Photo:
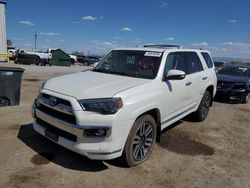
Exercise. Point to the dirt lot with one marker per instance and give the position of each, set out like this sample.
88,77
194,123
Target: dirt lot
214,153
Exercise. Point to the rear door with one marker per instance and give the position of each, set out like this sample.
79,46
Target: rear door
197,77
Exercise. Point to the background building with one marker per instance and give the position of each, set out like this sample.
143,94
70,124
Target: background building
3,39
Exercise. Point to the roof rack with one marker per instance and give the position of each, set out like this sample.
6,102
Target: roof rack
167,46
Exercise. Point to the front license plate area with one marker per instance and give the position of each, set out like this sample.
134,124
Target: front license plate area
51,135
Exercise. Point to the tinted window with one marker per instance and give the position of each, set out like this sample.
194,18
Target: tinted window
175,61
207,59
193,62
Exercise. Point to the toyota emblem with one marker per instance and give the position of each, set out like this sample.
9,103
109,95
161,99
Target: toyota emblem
52,101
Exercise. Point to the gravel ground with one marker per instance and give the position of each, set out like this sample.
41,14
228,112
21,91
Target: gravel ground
214,153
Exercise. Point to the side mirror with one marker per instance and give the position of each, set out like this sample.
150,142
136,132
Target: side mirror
175,75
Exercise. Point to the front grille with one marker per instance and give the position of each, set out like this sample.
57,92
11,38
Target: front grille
61,110
57,131
225,85
59,115
230,85
60,101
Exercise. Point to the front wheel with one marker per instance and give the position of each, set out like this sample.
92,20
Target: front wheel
203,109
140,141
246,98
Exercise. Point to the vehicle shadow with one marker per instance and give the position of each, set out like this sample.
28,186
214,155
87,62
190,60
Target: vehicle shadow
47,151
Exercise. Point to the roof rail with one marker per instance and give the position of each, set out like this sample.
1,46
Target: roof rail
167,46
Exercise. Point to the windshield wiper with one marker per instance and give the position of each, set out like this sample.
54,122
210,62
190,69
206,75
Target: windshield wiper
122,73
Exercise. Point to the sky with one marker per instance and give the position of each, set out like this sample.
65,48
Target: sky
97,26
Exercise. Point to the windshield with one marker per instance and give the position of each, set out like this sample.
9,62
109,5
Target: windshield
141,64
234,71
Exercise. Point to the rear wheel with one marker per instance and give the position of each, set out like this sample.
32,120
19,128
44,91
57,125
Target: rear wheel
203,108
140,142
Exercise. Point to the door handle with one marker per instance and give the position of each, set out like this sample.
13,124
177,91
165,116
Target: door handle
204,78
188,83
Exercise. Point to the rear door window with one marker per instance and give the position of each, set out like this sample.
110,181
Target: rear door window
193,62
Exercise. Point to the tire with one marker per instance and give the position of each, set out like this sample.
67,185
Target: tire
203,109
246,98
16,61
140,141
72,61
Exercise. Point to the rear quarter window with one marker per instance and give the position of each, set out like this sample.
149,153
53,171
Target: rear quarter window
207,59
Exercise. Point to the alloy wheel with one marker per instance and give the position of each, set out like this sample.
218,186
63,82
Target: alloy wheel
142,141
205,105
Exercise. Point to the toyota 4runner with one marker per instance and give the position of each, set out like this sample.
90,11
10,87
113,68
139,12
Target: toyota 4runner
119,108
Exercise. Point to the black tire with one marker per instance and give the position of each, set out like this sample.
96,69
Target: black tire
203,109
16,61
140,141
72,61
246,98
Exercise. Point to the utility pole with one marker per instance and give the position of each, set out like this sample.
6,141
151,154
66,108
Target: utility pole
35,39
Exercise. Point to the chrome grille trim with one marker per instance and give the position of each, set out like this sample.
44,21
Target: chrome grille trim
58,107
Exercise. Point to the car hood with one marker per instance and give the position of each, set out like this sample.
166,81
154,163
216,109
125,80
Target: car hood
89,84
228,78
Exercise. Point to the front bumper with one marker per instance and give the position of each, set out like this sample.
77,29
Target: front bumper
233,94
89,150
71,136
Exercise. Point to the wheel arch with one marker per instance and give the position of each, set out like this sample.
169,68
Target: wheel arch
156,114
210,89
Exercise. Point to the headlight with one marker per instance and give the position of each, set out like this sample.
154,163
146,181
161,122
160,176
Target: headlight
103,106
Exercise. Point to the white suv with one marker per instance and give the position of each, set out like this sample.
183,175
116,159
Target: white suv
119,108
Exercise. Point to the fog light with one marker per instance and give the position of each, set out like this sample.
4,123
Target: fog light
96,132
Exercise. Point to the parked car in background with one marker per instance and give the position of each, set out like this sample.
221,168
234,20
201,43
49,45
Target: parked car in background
73,59
90,60
13,52
219,64
234,83
32,57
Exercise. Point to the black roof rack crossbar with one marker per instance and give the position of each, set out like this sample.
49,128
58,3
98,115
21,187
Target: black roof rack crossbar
161,46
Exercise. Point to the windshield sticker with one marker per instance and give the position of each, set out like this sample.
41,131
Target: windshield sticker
153,54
